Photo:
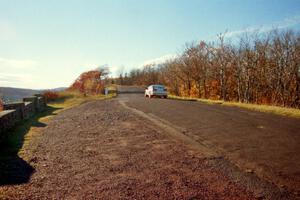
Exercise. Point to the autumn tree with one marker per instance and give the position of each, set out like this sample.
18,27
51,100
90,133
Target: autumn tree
259,68
91,82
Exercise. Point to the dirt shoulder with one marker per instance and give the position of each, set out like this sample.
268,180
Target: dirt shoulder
101,150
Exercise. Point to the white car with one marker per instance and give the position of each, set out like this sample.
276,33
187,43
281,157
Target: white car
157,91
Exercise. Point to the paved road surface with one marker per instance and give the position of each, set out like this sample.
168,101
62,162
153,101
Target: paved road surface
130,89
266,144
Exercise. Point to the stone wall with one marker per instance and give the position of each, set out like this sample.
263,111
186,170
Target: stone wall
29,110
18,107
18,111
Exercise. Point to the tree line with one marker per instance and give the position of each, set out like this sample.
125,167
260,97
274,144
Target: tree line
256,68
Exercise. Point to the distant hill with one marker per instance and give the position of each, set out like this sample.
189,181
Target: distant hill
59,89
9,94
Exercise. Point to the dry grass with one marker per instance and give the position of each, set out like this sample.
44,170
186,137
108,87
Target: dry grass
70,99
112,87
182,98
291,112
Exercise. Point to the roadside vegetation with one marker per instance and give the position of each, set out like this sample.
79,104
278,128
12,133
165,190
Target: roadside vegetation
258,68
88,86
290,112
68,99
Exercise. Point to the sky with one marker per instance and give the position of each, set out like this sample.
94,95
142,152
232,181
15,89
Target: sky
47,44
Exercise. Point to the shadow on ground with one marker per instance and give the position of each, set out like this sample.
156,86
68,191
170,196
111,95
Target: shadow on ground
13,169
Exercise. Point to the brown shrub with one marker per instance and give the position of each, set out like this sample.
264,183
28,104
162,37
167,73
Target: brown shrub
51,96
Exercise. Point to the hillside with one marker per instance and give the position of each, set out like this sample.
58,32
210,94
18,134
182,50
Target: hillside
8,94
13,94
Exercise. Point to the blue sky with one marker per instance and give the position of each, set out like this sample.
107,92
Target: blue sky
47,44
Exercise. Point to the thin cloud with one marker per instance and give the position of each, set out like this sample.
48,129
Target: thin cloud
16,64
16,72
159,60
8,79
287,22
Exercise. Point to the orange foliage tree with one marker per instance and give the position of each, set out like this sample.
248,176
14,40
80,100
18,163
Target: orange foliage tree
90,82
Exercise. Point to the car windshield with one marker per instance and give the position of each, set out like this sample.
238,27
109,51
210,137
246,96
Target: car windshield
160,87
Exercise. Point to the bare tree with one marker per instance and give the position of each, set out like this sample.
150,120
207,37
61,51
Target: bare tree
261,69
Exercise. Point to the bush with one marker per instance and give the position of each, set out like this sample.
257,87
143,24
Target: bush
51,96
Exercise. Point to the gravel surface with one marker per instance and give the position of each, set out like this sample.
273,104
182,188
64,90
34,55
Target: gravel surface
101,150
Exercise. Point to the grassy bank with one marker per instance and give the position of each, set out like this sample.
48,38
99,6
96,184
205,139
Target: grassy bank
70,99
291,112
